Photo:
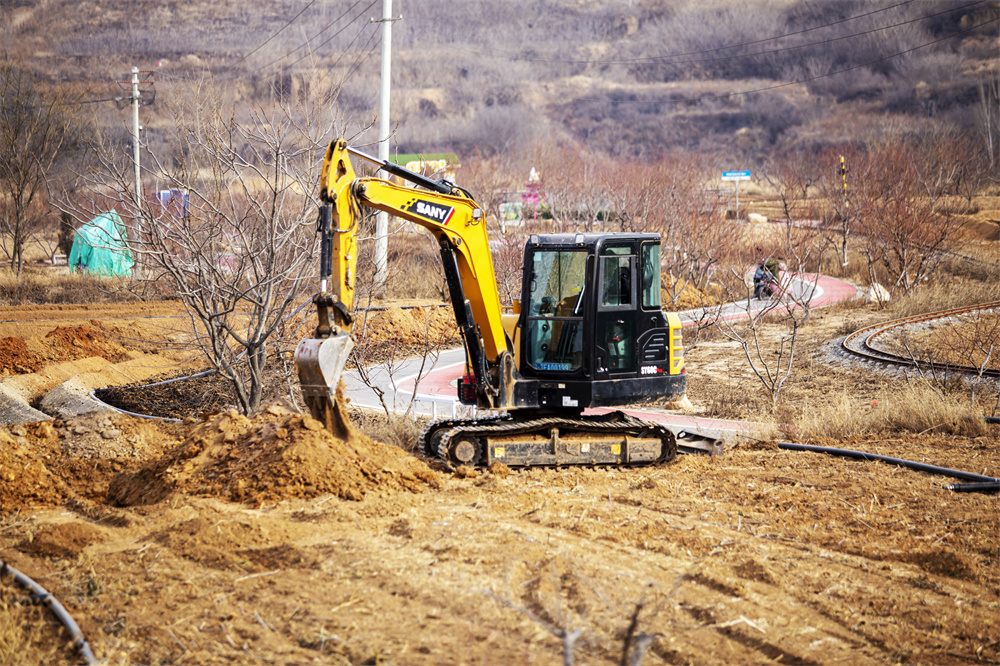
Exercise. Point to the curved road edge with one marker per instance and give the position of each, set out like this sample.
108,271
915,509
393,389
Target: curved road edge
435,390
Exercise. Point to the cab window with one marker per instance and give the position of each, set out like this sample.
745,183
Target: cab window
555,310
650,260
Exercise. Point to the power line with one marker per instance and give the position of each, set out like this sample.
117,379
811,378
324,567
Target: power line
282,57
790,83
516,58
356,66
262,44
324,42
821,42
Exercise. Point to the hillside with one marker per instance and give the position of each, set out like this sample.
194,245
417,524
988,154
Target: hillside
627,78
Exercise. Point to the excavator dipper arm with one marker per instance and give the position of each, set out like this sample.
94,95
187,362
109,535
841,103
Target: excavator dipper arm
458,224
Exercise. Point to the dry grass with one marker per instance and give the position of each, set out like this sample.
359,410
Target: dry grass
28,633
911,408
397,430
945,292
44,286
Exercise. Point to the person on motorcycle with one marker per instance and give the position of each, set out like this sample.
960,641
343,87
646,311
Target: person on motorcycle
763,280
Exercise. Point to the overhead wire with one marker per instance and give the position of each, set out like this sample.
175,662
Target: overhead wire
619,61
356,66
324,42
265,42
787,83
808,44
295,62
354,20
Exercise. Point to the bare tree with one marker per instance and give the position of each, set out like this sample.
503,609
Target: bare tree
236,241
905,232
38,130
492,181
975,342
771,357
989,116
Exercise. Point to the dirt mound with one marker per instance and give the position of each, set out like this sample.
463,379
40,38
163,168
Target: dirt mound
275,456
62,540
414,326
46,463
24,355
74,342
25,479
15,359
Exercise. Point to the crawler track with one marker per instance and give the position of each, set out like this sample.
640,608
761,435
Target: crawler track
861,342
613,438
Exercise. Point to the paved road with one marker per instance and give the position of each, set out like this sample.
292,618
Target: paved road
433,384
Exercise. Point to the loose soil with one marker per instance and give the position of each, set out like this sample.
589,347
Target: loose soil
182,398
229,539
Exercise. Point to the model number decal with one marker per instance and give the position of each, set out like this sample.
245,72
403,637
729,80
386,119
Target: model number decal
429,210
650,370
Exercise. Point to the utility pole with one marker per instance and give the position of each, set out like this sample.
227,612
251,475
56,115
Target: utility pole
135,133
136,98
382,219
845,221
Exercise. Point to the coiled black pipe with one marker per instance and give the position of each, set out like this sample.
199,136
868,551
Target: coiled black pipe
899,462
993,419
57,608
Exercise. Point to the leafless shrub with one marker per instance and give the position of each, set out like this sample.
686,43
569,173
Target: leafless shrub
395,429
770,358
40,130
905,233
240,254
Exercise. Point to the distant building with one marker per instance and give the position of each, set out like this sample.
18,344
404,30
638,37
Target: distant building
432,165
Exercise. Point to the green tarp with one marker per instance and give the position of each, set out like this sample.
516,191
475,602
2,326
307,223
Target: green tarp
101,247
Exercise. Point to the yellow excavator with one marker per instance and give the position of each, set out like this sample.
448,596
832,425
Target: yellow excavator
587,332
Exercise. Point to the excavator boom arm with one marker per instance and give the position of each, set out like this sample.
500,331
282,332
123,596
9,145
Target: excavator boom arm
454,219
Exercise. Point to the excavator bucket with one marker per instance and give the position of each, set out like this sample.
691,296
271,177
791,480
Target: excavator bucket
320,363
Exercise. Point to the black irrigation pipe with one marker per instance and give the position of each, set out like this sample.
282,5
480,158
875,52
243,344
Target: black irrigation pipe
975,487
988,482
41,594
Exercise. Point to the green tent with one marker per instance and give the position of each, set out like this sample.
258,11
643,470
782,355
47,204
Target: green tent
101,247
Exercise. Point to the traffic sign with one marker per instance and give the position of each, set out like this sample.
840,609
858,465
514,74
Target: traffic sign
735,175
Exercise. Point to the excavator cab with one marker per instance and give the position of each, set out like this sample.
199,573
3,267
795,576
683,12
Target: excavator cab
591,332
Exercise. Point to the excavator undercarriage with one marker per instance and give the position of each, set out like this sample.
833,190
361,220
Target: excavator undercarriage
610,439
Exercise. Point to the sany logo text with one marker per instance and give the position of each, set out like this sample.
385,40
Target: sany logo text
431,211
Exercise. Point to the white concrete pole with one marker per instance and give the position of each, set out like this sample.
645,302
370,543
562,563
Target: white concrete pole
135,133
382,220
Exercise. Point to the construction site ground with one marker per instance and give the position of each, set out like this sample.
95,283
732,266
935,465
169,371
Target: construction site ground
228,539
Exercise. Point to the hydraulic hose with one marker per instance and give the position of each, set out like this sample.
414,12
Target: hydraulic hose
41,594
976,479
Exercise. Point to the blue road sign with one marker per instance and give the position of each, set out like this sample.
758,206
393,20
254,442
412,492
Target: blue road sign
735,175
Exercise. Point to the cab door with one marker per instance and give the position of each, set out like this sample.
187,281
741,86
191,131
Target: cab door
616,322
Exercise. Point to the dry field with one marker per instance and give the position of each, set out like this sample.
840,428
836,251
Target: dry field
264,540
